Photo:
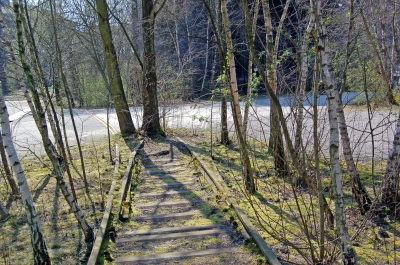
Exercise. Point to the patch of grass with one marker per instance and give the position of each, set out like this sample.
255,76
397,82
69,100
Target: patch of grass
282,212
61,231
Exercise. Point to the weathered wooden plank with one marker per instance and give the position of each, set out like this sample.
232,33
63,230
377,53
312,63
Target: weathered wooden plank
171,235
168,185
168,203
172,229
126,181
164,194
103,226
160,160
168,176
173,255
177,164
163,171
166,216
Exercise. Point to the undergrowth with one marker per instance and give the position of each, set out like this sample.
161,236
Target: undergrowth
64,239
282,210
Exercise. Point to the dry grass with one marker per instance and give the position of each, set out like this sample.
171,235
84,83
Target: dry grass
279,210
64,239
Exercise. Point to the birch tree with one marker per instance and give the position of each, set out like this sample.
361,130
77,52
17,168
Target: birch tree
57,159
7,171
39,249
332,93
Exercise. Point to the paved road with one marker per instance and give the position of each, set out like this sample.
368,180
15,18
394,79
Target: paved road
91,124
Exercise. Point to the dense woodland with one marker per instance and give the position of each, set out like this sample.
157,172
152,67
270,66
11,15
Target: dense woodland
151,53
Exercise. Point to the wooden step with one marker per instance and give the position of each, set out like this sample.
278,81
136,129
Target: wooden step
166,216
168,185
171,235
178,164
160,160
150,177
164,194
161,172
168,203
173,255
172,229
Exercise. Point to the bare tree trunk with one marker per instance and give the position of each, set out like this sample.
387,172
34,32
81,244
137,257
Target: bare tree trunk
276,145
206,57
7,170
237,117
177,47
302,88
390,194
4,215
375,52
76,86
359,192
321,205
39,249
57,160
121,106
67,93
44,91
250,74
151,118
282,120
346,248
214,13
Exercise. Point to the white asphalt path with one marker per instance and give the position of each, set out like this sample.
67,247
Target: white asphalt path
92,123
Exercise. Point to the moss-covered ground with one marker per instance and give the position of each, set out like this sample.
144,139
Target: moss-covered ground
287,215
64,239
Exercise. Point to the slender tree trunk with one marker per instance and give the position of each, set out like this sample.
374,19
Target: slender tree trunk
76,86
4,215
121,106
375,52
177,47
17,69
299,168
346,248
250,73
206,57
360,194
237,117
67,93
302,88
57,160
321,240
26,26
7,170
39,249
151,119
390,194
276,145
214,12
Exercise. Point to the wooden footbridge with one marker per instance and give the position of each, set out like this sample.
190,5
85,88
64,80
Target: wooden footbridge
180,213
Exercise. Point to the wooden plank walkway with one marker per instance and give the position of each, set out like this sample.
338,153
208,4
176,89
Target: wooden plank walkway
174,221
